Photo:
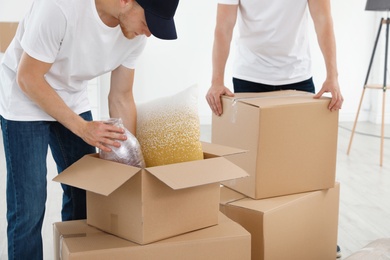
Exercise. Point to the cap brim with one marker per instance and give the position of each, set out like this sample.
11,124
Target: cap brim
161,28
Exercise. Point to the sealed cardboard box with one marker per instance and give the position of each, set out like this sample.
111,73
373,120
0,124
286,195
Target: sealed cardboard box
291,140
299,226
147,205
227,240
68,229
7,33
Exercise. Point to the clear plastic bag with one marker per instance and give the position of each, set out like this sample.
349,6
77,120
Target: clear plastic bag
130,150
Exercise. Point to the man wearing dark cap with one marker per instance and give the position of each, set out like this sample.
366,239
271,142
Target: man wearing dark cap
44,73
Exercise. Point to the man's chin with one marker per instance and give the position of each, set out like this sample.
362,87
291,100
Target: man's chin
130,36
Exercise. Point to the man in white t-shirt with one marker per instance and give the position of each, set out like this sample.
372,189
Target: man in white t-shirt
272,49
58,47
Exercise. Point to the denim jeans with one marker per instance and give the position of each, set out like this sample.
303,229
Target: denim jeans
247,86
26,145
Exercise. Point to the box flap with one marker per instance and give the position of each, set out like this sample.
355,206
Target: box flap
271,98
196,173
228,196
276,93
290,101
220,150
268,205
97,175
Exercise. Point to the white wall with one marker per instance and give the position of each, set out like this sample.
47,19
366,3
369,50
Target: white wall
167,67
355,31
12,11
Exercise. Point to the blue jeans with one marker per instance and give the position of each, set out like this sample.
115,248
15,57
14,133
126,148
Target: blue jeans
247,86
26,145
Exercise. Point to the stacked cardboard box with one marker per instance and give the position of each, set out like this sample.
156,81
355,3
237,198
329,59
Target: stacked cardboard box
78,240
152,204
300,226
291,140
290,201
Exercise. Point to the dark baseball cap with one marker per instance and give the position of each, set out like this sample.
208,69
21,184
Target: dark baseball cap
159,17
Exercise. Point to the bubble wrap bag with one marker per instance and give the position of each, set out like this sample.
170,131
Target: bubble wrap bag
130,150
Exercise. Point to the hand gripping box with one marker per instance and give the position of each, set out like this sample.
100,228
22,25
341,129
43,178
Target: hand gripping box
300,226
150,204
291,139
227,240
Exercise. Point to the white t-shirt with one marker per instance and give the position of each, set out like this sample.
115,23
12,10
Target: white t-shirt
70,35
272,45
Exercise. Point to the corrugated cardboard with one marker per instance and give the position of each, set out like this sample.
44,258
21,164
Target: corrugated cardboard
291,140
147,205
300,226
227,240
69,229
7,33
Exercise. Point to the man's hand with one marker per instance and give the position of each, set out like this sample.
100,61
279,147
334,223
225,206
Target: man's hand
101,135
337,99
213,97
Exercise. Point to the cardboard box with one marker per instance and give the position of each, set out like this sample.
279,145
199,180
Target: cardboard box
7,33
377,249
147,205
227,240
291,140
299,226
69,229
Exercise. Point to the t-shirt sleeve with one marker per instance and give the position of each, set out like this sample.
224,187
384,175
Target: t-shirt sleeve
228,2
45,28
132,58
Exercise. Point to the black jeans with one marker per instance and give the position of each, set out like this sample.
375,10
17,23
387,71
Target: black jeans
248,86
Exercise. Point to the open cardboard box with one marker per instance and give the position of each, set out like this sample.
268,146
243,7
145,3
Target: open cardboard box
300,226
291,139
7,33
146,205
227,240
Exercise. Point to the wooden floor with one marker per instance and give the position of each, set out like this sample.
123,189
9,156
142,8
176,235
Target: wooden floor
365,187
364,199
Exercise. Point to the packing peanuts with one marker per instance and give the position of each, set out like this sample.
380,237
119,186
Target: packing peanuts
291,139
154,203
77,240
299,226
